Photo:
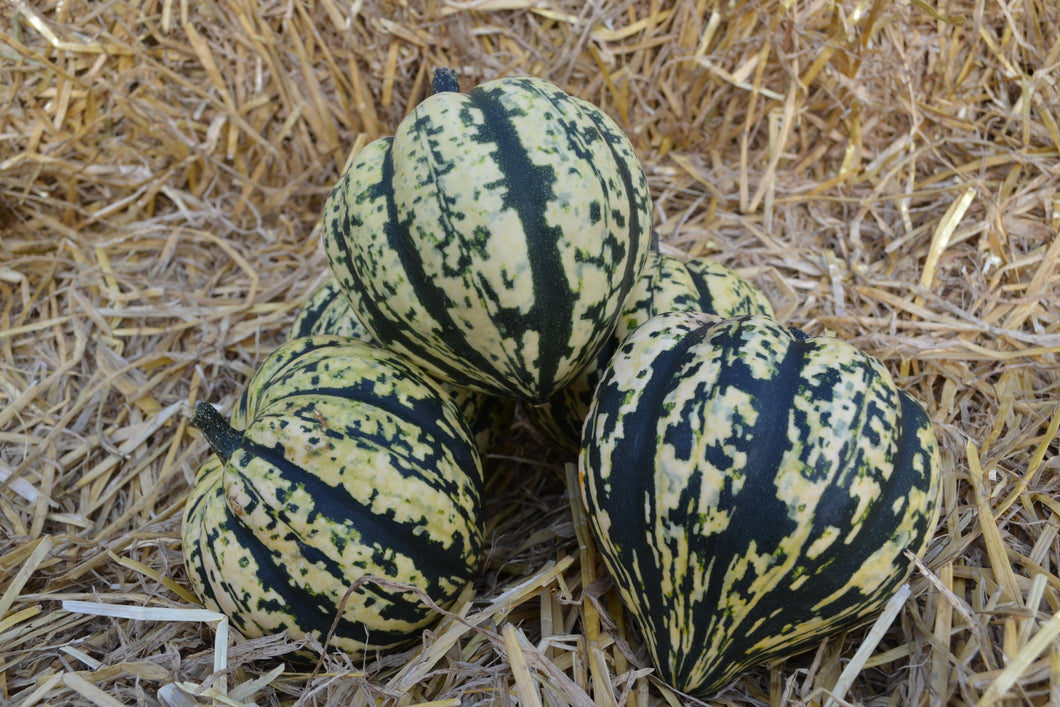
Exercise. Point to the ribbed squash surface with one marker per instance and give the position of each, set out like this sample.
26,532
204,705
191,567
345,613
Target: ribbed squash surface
666,284
346,462
327,311
751,490
671,284
494,237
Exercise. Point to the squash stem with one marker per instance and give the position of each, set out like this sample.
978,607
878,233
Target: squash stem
222,437
445,81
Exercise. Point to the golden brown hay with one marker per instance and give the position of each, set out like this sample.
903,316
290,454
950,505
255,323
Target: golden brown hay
886,171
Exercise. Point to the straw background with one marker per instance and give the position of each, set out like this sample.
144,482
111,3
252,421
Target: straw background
886,171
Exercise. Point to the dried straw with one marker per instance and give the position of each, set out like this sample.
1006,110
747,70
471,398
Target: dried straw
884,171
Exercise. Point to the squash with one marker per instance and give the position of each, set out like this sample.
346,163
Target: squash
327,311
671,284
666,284
494,237
342,462
752,490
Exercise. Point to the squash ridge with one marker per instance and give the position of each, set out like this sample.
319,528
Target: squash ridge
335,503
528,190
635,258
434,300
421,413
763,521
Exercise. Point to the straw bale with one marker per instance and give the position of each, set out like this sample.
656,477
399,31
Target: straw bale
887,171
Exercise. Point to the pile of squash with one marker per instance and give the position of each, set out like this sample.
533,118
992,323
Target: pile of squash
751,489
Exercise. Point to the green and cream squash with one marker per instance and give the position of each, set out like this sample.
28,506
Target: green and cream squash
672,284
666,284
752,490
342,462
494,237
327,311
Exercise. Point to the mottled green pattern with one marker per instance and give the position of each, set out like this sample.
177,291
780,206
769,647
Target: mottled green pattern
671,284
327,311
352,463
666,284
751,490
494,237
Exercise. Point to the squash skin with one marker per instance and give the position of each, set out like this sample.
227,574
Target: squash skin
346,462
327,311
494,237
670,284
666,284
752,490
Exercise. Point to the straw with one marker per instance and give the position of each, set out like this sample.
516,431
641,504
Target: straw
886,172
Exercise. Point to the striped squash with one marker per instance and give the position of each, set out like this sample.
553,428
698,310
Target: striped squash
327,311
752,490
342,461
672,284
666,284
494,237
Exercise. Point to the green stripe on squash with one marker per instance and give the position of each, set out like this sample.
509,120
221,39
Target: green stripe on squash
341,461
752,490
327,311
666,284
494,237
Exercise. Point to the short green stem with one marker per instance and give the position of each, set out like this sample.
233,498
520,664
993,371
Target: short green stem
445,81
223,439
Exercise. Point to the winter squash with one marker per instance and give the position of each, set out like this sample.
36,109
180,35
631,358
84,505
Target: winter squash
342,462
666,284
701,284
752,490
327,311
494,237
